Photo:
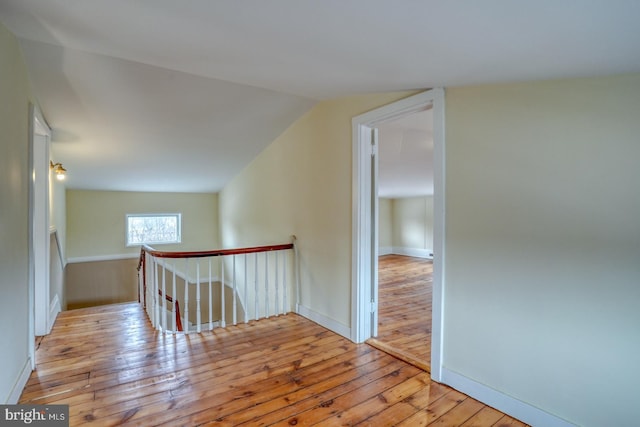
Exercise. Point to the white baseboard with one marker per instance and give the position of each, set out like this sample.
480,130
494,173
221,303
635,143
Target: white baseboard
500,401
413,252
325,321
385,250
54,309
16,391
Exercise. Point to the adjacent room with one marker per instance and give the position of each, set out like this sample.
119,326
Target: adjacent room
405,237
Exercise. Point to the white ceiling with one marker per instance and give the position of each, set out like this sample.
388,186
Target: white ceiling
165,95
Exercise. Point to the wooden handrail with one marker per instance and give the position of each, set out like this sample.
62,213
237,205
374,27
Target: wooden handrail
141,264
212,253
141,259
202,254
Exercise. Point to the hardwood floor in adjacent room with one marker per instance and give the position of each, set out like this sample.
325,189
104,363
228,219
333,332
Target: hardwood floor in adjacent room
404,308
112,368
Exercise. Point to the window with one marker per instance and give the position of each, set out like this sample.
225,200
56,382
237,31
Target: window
153,228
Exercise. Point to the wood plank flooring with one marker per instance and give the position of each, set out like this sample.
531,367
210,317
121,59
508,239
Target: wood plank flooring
404,308
112,368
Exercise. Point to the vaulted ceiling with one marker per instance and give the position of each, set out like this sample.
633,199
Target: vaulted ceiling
164,95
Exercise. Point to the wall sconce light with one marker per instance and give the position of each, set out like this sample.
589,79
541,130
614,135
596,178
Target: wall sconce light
58,169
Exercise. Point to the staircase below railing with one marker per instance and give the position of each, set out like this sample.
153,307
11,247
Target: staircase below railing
216,287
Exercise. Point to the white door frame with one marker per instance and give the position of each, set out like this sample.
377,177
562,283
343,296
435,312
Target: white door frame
39,242
364,279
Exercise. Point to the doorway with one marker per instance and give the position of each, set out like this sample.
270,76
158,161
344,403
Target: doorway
405,237
365,216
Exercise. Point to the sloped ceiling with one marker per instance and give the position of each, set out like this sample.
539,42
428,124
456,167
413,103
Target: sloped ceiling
164,95
405,160
124,125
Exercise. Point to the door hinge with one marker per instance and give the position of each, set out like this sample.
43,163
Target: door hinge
373,307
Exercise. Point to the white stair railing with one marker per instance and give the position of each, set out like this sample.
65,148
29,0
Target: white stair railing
192,291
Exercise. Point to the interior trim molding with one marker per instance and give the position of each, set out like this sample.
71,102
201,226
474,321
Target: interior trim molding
413,252
97,258
502,402
20,384
324,321
364,219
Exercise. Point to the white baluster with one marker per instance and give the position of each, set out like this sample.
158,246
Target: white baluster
174,289
277,299
266,284
246,295
198,314
210,298
145,283
164,297
223,321
285,307
185,325
150,287
256,316
235,293
156,306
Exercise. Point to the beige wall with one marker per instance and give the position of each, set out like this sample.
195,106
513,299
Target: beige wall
103,282
15,96
542,279
301,184
96,220
385,224
413,223
96,229
405,226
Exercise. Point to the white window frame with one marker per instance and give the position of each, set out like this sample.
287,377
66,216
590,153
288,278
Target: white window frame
178,217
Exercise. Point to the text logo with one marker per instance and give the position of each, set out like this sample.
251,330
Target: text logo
34,415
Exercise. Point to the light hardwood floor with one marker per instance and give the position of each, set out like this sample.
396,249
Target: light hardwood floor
112,368
404,308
